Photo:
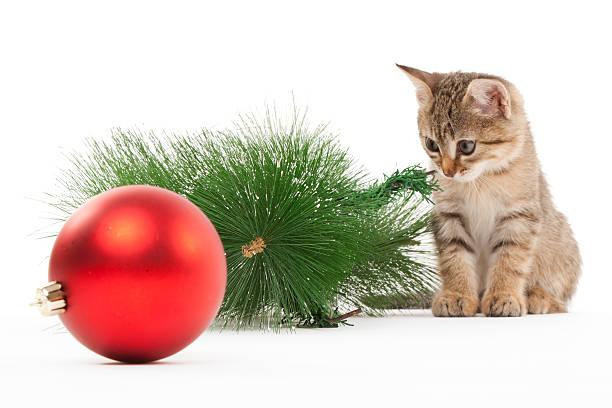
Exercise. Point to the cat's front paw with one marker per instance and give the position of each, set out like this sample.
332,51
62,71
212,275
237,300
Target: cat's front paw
502,304
453,304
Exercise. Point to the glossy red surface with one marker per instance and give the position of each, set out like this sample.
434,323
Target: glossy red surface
143,271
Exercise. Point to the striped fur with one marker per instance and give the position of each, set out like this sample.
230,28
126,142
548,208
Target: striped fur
502,246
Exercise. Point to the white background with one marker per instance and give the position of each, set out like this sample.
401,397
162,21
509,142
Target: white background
71,70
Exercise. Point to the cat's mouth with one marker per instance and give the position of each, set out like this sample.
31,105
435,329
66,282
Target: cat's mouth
462,176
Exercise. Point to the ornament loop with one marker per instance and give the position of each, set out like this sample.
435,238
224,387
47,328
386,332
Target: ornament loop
50,299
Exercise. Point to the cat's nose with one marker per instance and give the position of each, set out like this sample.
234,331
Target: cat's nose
448,167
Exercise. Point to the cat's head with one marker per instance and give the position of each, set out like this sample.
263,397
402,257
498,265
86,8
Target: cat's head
470,124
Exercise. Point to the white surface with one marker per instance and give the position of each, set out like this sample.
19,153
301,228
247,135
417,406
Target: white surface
409,359
71,70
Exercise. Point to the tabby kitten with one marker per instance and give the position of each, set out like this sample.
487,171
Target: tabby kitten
503,247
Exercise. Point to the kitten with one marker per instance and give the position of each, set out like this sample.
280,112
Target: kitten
503,247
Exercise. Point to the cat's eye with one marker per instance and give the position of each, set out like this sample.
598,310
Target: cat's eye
467,146
431,145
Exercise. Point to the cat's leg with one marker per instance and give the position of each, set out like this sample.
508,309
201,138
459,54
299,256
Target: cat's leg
458,296
556,268
512,250
540,301
504,295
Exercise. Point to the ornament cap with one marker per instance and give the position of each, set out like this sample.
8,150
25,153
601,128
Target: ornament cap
50,299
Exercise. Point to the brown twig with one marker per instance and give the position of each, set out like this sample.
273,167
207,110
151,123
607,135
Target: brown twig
255,247
343,317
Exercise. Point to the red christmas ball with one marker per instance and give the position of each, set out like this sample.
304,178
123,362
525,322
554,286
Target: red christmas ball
143,273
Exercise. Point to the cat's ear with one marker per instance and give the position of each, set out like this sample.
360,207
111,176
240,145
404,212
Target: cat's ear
488,97
423,82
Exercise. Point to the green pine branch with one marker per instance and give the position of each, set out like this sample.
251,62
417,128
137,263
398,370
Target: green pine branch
334,241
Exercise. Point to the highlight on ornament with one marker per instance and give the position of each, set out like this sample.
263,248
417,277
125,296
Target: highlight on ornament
306,236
